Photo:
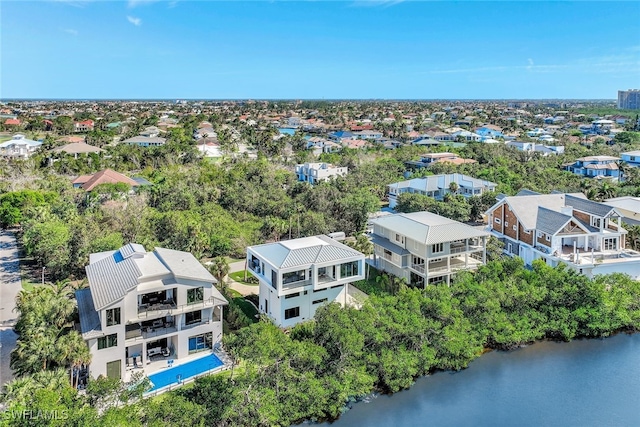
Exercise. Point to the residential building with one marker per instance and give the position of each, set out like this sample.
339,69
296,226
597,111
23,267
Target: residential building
145,141
564,228
76,148
632,158
298,276
489,132
318,172
106,176
596,167
628,207
437,186
368,134
425,248
142,307
84,126
19,147
429,159
465,135
532,147
601,126
629,99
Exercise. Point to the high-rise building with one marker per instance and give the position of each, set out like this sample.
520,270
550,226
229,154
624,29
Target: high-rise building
629,99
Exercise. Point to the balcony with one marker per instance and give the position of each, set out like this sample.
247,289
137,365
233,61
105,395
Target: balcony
418,267
139,333
170,309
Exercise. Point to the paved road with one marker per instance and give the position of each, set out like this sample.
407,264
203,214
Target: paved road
10,285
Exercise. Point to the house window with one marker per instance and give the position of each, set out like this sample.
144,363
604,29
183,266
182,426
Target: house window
515,227
320,301
297,294
108,341
193,317
595,222
497,220
399,238
547,238
610,243
506,223
539,234
437,248
290,313
527,231
113,316
349,269
195,295
293,276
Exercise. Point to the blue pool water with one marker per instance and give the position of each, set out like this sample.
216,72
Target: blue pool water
170,375
287,131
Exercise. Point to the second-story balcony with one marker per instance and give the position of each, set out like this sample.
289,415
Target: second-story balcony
170,308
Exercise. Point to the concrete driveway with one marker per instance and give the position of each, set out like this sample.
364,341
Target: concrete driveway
10,285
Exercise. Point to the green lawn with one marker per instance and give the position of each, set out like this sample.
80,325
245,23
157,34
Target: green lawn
247,308
238,276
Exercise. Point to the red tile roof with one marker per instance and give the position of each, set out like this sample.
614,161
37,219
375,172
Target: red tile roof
107,176
12,122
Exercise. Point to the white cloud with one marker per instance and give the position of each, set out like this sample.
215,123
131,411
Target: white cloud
135,21
71,31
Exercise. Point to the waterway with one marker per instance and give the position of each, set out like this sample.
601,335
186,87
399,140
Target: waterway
581,383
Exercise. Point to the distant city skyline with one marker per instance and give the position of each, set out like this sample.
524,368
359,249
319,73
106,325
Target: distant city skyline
145,49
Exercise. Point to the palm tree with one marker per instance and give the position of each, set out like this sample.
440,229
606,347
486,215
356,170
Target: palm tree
219,267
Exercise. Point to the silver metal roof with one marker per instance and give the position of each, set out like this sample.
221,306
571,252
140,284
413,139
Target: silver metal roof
428,227
304,252
89,318
437,182
111,278
184,264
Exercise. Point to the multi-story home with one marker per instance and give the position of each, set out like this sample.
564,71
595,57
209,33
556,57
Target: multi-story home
426,248
317,172
84,126
142,306
631,158
297,276
437,186
564,228
596,167
19,147
489,132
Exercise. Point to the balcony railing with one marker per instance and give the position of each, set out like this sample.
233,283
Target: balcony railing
171,309
149,332
418,267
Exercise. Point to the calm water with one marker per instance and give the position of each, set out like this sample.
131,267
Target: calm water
287,131
582,383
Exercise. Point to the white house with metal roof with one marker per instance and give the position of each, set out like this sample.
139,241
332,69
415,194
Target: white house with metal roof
19,147
563,228
426,248
297,276
142,307
437,186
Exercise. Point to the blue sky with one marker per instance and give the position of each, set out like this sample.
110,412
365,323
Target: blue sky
318,49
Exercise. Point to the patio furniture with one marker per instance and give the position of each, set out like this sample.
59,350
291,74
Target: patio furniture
166,352
137,361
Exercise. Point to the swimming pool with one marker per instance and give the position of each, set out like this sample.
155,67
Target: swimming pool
183,372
